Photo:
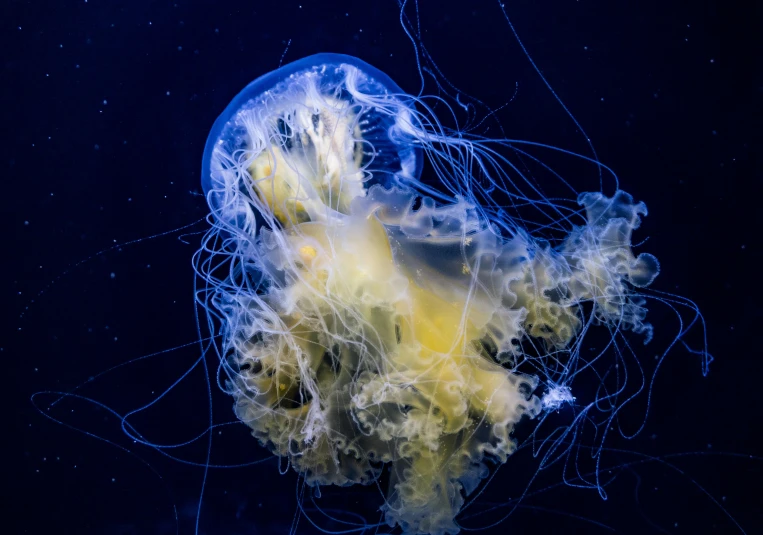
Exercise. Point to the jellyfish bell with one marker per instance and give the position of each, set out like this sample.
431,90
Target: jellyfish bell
327,110
371,320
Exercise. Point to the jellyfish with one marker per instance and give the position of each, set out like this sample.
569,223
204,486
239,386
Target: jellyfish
390,293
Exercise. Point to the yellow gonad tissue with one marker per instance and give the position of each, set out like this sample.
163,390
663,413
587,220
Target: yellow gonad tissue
370,319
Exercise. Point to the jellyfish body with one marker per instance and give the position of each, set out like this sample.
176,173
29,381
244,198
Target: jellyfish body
372,320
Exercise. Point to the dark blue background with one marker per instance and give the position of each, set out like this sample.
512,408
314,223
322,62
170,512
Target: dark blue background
106,107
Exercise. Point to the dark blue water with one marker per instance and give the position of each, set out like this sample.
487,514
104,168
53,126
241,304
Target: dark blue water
106,109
